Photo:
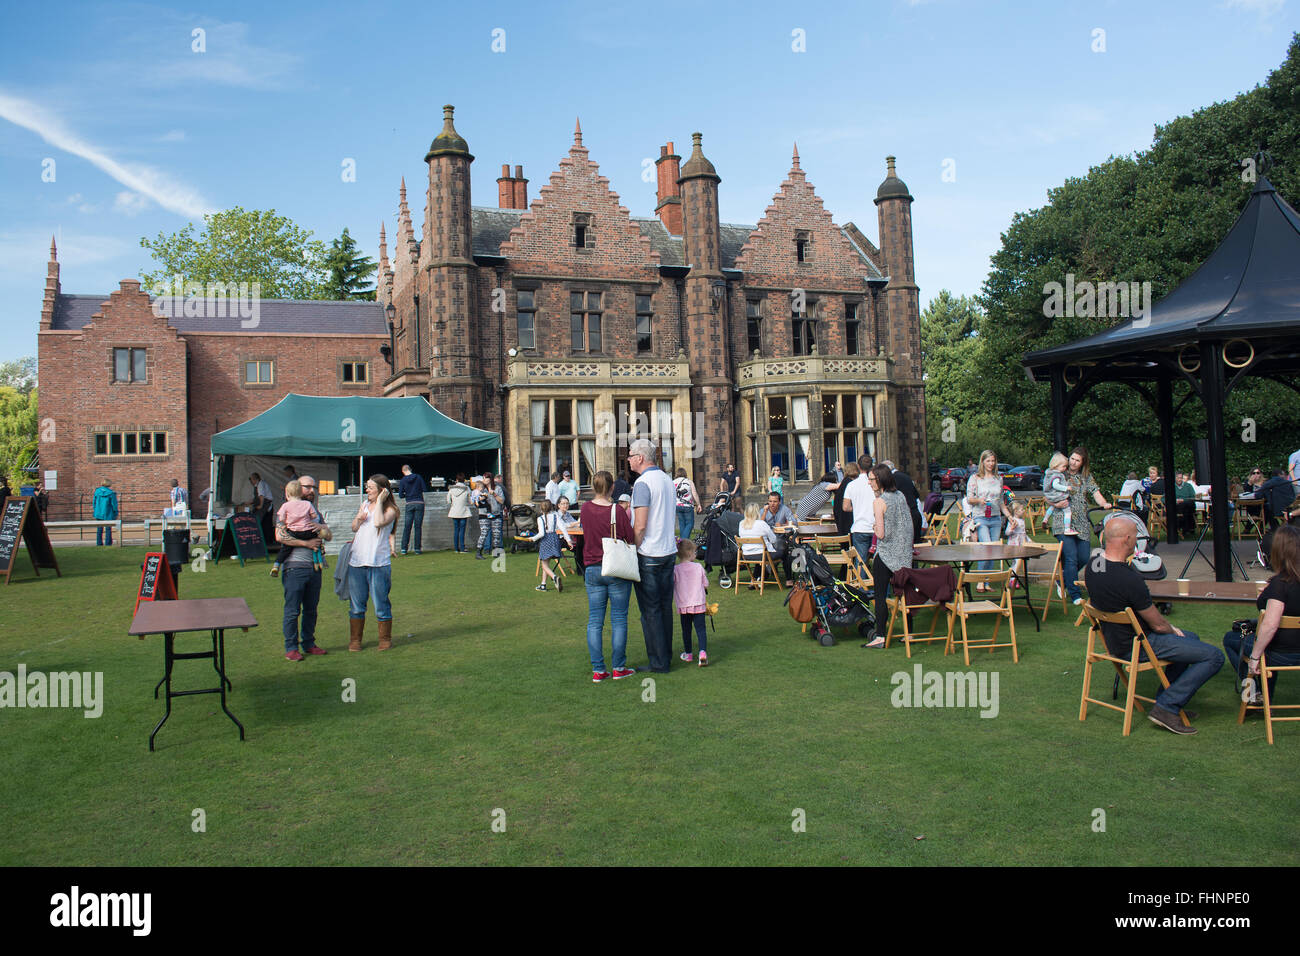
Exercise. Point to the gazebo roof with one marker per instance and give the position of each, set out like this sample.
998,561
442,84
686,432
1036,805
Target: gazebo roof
1249,286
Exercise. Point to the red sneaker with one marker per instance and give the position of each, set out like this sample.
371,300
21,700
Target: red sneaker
621,672
293,656
598,676
316,650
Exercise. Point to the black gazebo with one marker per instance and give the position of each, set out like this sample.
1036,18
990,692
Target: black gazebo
1237,315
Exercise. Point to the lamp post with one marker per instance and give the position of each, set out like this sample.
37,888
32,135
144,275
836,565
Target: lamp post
388,351
719,291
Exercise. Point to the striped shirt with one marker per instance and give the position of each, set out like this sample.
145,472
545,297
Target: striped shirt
811,504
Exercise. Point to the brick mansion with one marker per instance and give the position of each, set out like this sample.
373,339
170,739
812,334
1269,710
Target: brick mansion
792,342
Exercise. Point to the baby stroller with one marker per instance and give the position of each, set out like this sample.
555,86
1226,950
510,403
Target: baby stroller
716,538
524,521
1145,560
837,604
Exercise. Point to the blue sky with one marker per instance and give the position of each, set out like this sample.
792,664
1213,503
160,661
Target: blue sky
146,134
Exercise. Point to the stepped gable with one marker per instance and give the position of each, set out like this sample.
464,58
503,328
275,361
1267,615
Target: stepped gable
545,233
770,249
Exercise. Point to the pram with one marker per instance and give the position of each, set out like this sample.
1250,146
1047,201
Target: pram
837,604
1145,562
524,521
716,537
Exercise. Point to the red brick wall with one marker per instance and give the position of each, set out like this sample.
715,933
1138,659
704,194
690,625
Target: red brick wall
79,395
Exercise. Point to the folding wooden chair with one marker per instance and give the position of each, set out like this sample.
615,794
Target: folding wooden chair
1035,510
900,609
937,532
559,567
1052,577
1126,668
764,562
858,574
835,548
1249,517
1266,671
964,609
1156,522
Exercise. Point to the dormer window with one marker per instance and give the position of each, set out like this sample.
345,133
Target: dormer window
802,246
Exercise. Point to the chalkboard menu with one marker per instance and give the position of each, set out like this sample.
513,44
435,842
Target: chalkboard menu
242,538
21,519
155,581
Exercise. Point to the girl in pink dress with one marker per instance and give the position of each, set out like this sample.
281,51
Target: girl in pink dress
690,588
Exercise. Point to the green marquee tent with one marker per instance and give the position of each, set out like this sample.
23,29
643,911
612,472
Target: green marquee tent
317,426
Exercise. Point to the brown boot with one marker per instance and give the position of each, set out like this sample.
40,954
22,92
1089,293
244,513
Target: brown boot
356,627
385,635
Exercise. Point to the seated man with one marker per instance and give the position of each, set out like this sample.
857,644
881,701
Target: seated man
1277,494
778,515
1116,586
1185,504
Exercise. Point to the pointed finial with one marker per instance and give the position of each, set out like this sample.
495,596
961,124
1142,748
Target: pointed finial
889,161
577,132
54,251
403,189
796,157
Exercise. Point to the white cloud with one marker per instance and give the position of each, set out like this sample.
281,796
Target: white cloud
23,255
229,57
156,185
172,136
130,203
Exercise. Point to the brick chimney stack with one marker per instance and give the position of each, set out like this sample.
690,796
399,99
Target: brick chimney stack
51,287
521,189
505,188
669,205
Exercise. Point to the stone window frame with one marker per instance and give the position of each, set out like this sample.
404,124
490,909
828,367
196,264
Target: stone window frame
856,306
586,291
535,289
343,383
757,320
246,360
627,408
586,222
786,436
649,316
553,439
803,246
811,316
122,433
867,435
112,365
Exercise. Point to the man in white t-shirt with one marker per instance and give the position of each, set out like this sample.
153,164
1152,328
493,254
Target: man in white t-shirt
860,501
553,488
1293,470
654,526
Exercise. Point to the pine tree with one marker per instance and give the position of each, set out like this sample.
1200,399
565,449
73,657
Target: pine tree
349,271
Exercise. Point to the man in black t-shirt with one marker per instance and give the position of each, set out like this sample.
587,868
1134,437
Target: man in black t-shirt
1112,586
730,483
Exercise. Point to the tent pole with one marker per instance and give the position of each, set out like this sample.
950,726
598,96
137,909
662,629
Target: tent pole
212,499
1165,412
361,474
1212,395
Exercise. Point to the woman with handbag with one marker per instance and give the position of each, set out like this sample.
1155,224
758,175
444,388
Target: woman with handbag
609,554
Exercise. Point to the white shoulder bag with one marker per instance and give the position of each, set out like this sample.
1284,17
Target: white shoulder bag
619,559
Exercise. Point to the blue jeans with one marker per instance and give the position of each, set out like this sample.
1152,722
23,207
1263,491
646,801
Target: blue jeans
618,592
370,582
1075,551
103,535
862,544
301,595
989,531
654,598
685,521
1191,663
1237,649
458,533
414,516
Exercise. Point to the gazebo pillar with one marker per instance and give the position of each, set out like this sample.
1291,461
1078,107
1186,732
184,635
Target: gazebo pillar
1060,417
1212,396
1165,412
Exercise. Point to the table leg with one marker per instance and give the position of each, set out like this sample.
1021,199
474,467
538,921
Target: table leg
1024,586
220,639
219,662
168,650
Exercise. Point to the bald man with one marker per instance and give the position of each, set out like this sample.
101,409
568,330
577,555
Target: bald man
1112,586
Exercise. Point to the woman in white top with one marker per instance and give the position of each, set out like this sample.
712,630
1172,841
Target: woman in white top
458,512
370,566
752,526
984,495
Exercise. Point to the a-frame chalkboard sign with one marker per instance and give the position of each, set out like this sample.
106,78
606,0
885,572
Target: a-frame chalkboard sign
156,582
242,538
22,519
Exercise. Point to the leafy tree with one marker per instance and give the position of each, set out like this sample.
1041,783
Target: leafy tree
349,271
18,432
19,374
1153,217
237,246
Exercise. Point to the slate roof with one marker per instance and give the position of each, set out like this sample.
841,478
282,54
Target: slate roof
275,316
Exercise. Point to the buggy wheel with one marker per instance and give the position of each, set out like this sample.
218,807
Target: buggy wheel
865,628
826,638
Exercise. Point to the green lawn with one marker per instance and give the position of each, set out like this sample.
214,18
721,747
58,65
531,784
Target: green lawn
486,702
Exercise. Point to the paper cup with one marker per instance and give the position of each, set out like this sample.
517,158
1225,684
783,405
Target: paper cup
1184,586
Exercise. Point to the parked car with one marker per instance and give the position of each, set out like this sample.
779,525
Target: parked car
952,479
1024,478
1003,468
